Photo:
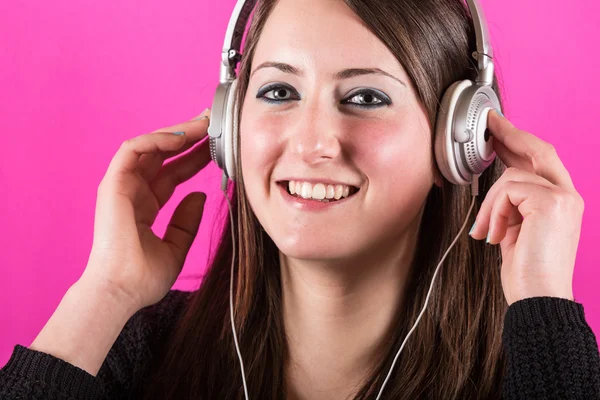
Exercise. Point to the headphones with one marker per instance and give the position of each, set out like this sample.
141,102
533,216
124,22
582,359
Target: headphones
463,145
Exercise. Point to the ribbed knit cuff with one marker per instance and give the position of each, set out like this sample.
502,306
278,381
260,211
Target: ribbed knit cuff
541,311
39,366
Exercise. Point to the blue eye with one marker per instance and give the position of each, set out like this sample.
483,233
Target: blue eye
364,98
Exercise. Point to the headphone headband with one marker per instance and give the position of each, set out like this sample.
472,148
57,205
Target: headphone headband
484,54
231,54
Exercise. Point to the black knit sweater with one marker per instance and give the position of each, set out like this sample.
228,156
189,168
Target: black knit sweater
552,354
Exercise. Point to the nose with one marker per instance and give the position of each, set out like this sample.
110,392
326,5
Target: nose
315,137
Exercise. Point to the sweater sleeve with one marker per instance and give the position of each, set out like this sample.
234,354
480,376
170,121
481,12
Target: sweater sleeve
32,375
552,352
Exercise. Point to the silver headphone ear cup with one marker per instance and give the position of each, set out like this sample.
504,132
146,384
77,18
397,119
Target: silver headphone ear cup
445,156
216,124
463,146
222,126
212,142
230,131
472,140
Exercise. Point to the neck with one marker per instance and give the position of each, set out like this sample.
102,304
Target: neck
338,315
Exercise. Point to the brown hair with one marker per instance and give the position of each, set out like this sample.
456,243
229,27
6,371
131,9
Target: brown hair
456,350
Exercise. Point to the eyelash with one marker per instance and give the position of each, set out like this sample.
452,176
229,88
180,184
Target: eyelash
384,100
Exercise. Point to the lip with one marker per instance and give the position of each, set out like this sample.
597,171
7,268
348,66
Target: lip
311,205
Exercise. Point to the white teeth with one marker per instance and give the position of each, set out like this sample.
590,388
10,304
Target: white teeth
306,190
318,191
346,191
330,192
338,192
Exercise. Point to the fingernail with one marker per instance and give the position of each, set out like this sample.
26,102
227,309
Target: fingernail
500,112
487,240
202,115
178,133
472,229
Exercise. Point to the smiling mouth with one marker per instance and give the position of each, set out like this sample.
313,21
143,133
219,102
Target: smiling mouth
324,193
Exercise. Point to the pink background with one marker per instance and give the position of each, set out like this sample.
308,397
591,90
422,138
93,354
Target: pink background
79,77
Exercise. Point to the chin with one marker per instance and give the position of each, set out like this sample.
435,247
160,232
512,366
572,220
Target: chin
316,247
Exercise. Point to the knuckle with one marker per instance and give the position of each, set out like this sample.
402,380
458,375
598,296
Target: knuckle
512,171
560,201
579,203
548,150
127,143
102,186
542,152
178,179
550,147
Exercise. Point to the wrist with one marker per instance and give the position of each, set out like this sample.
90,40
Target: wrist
562,294
85,325
110,294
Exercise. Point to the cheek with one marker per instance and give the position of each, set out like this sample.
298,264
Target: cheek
259,135
260,148
396,158
388,150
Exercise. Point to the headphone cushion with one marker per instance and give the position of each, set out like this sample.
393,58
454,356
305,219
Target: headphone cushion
230,130
444,145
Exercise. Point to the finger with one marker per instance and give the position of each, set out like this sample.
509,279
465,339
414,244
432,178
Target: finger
498,189
127,157
503,215
183,226
195,129
543,155
161,141
150,164
526,197
510,159
179,171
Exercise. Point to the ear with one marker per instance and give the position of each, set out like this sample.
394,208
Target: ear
438,178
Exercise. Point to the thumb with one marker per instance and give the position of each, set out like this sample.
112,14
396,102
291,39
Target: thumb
183,226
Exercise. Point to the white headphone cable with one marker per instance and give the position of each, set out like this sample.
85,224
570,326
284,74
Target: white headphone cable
474,193
237,346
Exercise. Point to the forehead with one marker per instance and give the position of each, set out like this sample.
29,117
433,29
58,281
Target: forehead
321,35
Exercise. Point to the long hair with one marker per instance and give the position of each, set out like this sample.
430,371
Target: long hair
456,350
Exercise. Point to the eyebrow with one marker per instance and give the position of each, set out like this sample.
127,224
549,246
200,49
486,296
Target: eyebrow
345,74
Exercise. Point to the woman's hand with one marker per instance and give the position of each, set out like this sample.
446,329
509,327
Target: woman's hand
534,212
127,258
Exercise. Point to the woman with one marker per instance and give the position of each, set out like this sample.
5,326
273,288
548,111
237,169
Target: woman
325,295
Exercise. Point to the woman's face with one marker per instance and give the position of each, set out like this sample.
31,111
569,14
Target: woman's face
327,105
